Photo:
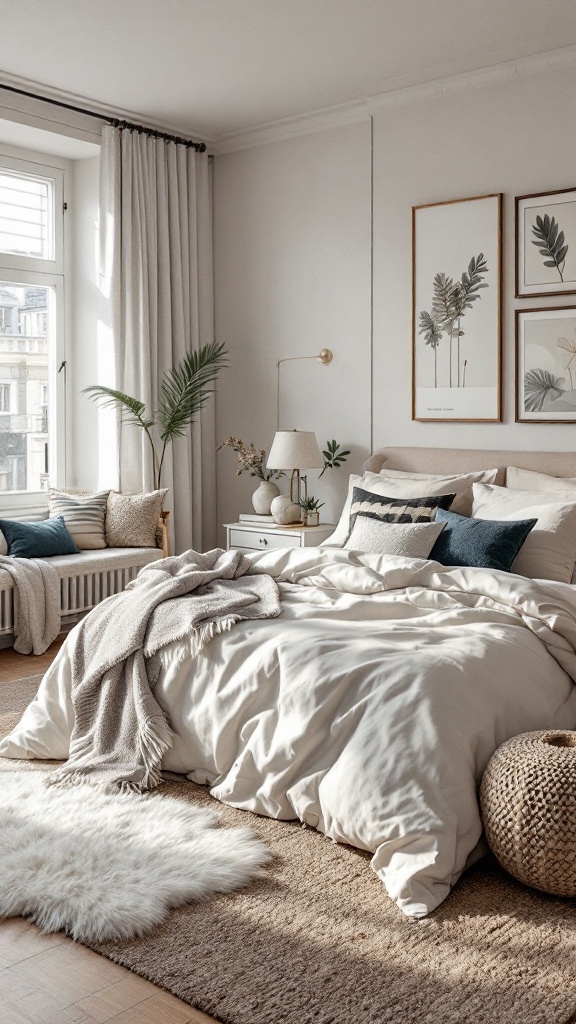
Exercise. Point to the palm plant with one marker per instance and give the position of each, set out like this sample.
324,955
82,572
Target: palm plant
184,389
538,386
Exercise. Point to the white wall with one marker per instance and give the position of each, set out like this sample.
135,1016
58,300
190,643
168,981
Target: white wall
517,138
293,255
292,275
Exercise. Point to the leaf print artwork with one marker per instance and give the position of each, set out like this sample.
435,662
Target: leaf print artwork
550,242
456,310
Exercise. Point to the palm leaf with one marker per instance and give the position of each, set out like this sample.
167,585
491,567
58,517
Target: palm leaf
550,242
538,384
444,301
430,328
132,409
186,387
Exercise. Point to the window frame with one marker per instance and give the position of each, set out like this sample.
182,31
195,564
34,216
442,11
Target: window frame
48,273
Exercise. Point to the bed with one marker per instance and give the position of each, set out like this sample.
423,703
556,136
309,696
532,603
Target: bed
370,708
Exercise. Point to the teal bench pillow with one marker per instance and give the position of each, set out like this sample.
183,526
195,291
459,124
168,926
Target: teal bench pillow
38,540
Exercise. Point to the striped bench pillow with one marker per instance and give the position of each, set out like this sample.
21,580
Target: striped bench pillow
83,514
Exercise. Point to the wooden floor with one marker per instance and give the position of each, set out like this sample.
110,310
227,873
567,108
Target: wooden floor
49,979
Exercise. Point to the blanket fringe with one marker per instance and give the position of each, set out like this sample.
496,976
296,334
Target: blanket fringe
198,638
156,737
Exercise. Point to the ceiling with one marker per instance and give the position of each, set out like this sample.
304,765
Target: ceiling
215,67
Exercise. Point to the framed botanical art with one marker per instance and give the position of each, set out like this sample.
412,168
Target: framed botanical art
456,310
546,244
546,365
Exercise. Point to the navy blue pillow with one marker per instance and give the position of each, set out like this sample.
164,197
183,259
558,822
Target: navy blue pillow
38,540
484,543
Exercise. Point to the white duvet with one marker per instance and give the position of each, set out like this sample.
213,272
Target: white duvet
368,710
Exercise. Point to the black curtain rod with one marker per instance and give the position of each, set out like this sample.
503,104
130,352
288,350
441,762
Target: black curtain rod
200,147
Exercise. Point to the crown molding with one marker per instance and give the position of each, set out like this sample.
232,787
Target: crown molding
507,71
290,127
363,109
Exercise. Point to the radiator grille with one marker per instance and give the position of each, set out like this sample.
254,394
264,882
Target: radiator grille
78,594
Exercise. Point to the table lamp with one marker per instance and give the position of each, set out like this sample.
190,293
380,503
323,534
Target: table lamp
294,450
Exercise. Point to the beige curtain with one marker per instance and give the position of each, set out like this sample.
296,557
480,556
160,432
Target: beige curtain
156,264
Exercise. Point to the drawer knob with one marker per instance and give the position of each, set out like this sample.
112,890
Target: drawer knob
264,541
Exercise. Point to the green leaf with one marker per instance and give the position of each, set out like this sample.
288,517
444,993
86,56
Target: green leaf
132,409
185,388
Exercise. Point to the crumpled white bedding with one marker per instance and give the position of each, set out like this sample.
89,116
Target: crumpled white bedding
369,709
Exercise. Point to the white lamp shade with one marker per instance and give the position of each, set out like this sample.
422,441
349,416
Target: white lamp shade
295,449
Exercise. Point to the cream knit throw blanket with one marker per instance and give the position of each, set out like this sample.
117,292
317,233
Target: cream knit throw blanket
120,732
36,603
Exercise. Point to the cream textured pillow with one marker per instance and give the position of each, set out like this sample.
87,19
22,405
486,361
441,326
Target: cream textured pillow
411,540
549,551
131,519
528,480
397,484
84,515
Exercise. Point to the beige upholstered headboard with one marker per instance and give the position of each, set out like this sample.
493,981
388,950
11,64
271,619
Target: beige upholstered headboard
466,460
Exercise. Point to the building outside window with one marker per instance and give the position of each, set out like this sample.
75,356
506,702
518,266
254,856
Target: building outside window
31,317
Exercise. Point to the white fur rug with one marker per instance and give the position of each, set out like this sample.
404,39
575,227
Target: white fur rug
102,866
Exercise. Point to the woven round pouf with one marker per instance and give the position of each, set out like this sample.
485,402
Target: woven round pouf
528,802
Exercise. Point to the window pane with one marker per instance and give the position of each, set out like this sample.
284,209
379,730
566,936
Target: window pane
24,392
26,215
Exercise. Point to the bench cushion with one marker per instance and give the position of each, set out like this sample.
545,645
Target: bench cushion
87,562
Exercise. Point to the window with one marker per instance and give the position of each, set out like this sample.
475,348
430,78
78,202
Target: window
31,318
26,205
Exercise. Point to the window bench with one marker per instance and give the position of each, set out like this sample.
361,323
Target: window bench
85,580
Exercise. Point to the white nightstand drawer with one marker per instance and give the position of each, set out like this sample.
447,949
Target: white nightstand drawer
257,540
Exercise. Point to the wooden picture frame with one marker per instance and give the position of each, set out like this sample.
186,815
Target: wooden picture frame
546,365
546,244
457,310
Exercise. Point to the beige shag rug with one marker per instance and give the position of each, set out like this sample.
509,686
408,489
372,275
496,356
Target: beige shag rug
318,941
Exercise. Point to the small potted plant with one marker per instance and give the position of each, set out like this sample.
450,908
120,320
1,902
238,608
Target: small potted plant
311,507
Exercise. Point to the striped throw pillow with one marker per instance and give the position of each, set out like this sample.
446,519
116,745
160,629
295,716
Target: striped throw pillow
395,510
83,514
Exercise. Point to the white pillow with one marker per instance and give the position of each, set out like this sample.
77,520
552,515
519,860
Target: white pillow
411,540
409,485
528,480
549,551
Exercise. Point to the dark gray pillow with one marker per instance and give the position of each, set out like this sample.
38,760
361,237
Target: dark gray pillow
484,543
395,510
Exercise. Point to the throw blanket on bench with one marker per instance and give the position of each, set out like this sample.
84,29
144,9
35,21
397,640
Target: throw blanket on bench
36,603
120,732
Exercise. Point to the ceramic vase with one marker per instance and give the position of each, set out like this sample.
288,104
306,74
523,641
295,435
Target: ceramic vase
263,497
285,511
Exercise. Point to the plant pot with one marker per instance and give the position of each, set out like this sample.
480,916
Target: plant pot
263,497
312,519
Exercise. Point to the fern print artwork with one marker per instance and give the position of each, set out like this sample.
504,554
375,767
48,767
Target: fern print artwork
546,243
546,341
456,323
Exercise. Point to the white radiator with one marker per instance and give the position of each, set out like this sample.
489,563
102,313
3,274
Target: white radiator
78,594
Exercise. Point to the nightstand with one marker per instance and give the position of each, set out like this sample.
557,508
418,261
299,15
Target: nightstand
252,537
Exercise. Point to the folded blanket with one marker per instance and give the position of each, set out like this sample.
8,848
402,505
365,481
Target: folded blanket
36,603
120,732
